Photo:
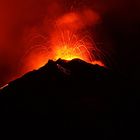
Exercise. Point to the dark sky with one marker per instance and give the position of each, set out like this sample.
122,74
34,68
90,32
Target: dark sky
120,20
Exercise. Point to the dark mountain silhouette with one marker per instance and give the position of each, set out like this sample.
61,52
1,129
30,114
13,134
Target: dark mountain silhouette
72,94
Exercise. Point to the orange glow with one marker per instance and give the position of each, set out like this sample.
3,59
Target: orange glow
67,40
100,63
67,45
78,20
71,21
69,53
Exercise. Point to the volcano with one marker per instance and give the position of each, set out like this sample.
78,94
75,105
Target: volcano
71,94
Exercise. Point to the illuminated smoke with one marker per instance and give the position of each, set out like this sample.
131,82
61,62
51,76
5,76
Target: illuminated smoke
68,45
68,39
78,20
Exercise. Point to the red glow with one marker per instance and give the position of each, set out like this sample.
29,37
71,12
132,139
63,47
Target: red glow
67,40
67,45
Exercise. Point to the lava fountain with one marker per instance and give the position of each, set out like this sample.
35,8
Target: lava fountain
68,39
68,45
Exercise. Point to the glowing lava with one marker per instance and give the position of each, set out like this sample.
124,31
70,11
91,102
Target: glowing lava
68,46
64,44
68,39
67,53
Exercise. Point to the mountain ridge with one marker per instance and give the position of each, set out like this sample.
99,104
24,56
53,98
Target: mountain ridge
72,94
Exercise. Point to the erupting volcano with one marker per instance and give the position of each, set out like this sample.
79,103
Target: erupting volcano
70,46
68,39
66,64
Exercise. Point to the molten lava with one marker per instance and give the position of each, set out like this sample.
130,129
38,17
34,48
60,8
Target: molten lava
68,39
67,53
68,46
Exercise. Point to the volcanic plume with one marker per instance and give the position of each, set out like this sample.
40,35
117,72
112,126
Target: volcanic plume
68,39
32,32
27,28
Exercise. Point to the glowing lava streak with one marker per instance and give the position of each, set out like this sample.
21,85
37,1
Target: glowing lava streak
63,44
68,46
68,39
67,53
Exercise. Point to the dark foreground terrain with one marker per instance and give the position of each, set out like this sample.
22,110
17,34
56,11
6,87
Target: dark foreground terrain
72,94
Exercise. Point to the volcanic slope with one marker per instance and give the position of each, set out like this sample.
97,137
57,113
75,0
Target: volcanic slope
72,94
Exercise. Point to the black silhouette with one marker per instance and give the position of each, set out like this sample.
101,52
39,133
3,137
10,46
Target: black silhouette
72,94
